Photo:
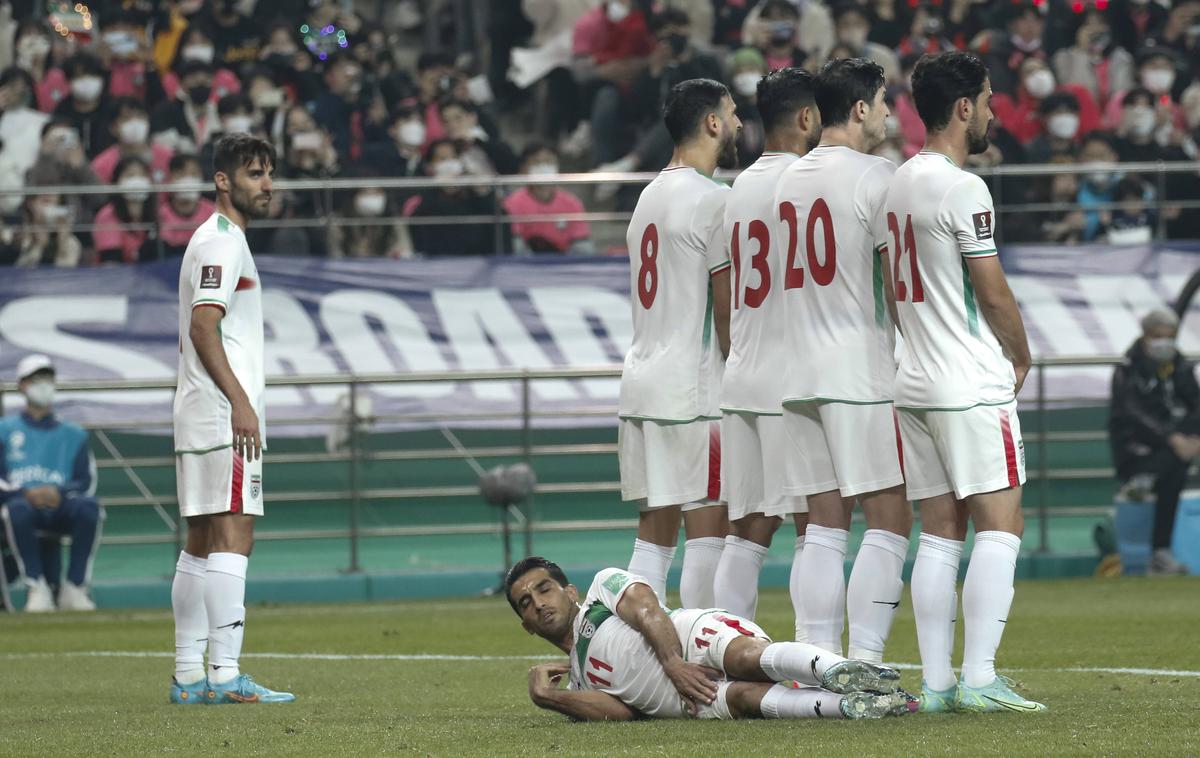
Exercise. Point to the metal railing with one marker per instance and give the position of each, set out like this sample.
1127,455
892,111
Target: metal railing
525,417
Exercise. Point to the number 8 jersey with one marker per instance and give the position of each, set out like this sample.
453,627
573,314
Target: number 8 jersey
840,339
676,242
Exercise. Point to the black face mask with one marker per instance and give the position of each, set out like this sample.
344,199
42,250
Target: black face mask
678,43
199,94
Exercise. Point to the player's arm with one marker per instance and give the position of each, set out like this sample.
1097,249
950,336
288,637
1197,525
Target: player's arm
721,298
205,334
578,705
709,221
889,287
1000,309
639,607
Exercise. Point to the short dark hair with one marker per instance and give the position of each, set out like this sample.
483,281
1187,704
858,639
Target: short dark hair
1135,94
687,103
1130,188
1057,101
122,105
940,81
180,161
1099,136
842,83
779,6
234,102
84,64
668,17
240,149
782,93
453,102
524,566
434,59
535,147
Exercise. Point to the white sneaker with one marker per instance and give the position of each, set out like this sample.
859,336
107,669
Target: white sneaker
74,598
40,599
1164,563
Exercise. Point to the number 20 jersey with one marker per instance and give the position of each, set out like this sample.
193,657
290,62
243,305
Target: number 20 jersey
676,242
840,339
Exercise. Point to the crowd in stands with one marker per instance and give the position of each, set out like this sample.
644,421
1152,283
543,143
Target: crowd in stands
134,93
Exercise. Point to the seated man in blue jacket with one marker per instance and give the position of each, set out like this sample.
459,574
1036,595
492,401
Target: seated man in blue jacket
48,483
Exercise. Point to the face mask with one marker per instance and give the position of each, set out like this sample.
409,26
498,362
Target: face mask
854,38
238,124
40,393
131,182
1040,83
202,53
617,12
782,32
370,205
199,93
1158,80
30,49
187,196
134,130
678,43
87,88
1159,349
1100,179
543,169
1141,121
412,133
746,84
52,214
1063,125
448,168
891,126
121,43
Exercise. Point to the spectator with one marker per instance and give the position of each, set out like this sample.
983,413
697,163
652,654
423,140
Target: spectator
887,26
1064,225
368,229
236,38
965,21
811,38
236,113
912,128
551,235
197,46
401,156
308,154
1180,32
186,122
33,56
124,227
340,109
437,79
443,161
1094,61
270,101
1153,428
1157,72
20,127
289,65
853,26
60,162
85,108
926,32
746,68
1099,185
42,236
1007,54
1132,222
131,128
1019,113
52,475
1144,130
126,53
1136,21
182,211
481,154
1060,128
292,241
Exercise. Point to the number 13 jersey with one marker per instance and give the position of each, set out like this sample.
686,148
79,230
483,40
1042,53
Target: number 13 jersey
840,339
676,242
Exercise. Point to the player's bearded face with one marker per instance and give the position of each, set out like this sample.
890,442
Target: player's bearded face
977,133
545,606
728,157
250,191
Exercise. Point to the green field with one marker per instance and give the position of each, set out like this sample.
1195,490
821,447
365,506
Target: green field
97,685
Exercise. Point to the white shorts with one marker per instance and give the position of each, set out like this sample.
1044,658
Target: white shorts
706,634
841,446
753,455
965,452
667,463
218,482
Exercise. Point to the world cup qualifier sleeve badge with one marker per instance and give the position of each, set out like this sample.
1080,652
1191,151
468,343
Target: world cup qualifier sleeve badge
983,225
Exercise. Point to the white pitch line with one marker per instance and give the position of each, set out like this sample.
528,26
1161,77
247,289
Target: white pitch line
486,658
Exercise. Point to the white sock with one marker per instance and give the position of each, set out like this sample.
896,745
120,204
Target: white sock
935,604
652,562
191,619
874,592
783,702
735,586
987,596
794,587
700,559
823,593
225,598
799,661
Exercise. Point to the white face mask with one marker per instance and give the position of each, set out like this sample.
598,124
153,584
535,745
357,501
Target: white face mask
1141,121
40,394
617,12
746,83
87,88
186,196
1158,80
412,133
543,169
891,126
448,168
202,53
1040,83
31,49
370,205
1160,349
135,182
121,43
1063,125
134,130
238,124
52,214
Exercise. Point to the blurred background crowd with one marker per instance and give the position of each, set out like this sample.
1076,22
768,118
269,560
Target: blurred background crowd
133,94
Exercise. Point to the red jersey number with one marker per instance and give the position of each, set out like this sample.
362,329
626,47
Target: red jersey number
647,281
757,232
909,248
824,268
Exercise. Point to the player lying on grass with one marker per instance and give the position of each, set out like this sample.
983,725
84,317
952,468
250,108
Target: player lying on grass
630,659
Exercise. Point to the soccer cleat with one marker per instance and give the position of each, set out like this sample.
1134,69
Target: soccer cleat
859,676
937,701
997,696
243,689
195,693
873,705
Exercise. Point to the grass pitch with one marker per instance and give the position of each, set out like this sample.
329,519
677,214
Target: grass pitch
97,685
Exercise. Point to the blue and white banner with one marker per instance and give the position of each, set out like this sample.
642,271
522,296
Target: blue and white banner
381,316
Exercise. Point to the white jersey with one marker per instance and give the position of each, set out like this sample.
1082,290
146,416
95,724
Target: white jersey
937,216
840,338
676,242
611,656
218,271
753,381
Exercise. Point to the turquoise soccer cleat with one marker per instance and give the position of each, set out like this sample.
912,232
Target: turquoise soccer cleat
859,676
873,705
189,694
243,689
937,701
997,696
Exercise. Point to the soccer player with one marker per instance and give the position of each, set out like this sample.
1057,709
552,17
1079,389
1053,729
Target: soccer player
630,659
679,273
840,338
752,438
964,360
219,430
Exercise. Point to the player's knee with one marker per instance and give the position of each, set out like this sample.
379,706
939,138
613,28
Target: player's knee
85,509
20,513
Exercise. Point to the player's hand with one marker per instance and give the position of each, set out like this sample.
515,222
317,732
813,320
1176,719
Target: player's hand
246,441
545,676
693,682
1021,372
